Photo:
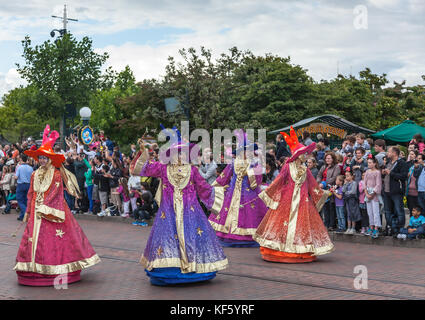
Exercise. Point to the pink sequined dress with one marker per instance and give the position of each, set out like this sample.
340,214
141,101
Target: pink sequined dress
53,243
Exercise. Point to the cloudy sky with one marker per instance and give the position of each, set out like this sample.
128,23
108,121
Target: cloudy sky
386,35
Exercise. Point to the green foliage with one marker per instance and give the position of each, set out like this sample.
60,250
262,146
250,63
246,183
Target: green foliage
238,89
19,118
66,70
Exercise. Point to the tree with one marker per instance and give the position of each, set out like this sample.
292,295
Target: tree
65,72
347,97
271,92
18,117
107,108
204,86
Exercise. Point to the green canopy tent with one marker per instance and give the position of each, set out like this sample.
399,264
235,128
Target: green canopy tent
401,133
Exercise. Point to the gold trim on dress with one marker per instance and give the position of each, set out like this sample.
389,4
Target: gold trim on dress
58,269
140,162
70,182
269,202
251,177
218,200
179,177
158,194
283,247
176,263
43,178
238,231
298,175
50,214
322,200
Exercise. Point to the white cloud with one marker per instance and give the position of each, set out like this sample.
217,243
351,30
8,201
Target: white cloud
9,80
316,34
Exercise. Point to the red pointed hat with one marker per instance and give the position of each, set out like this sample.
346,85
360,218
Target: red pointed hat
46,148
296,147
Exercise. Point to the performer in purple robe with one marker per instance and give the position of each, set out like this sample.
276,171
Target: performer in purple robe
182,246
242,210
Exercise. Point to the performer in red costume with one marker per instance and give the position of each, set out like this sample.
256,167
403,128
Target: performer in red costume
53,243
292,230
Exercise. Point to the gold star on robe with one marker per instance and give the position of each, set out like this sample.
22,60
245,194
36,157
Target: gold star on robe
59,233
199,231
191,208
57,184
226,209
222,174
176,237
285,223
252,205
306,200
162,215
217,217
247,189
30,239
159,251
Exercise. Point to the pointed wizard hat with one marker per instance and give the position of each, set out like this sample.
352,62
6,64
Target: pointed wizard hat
296,147
49,139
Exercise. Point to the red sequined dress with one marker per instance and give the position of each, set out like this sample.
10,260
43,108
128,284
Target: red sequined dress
292,230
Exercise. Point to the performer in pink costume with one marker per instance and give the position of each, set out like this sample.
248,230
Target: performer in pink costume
53,243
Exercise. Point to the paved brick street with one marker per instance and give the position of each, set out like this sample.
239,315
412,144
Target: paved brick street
393,272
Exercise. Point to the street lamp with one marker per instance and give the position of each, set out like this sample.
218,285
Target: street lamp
85,114
61,32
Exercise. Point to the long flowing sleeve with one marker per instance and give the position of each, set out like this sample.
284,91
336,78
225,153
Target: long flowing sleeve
255,176
317,195
271,196
141,166
137,163
224,178
212,197
70,182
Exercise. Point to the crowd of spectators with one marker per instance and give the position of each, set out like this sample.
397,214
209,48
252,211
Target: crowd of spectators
369,183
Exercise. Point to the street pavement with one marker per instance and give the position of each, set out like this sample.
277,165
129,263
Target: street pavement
392,272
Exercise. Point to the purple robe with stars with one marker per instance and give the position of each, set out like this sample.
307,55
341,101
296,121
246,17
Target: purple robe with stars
242,210
181,235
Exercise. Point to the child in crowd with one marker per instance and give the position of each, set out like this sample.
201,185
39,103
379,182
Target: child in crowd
133,186
373,187
362,206
10,197
339,203
144,212
125,193
340,161
361,143
351,202
416,226
358,164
